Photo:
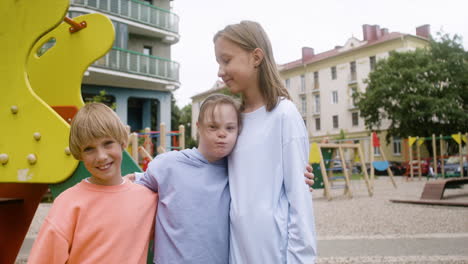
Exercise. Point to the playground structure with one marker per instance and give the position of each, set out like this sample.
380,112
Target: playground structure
321,158
144,153
44,56
459,139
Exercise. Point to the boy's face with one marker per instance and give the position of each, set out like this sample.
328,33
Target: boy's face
102,158
218,133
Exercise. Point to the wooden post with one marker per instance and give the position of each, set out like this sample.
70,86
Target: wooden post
347,190
148,143
389,171
410,147
418,153
442,166
461,156
434,148
182,137
372,172
162,137
134,143
370,188
326,190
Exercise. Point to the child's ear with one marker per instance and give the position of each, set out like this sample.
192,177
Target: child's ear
258,56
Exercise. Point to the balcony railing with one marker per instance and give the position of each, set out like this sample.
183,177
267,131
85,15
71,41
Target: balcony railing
134,10
138,63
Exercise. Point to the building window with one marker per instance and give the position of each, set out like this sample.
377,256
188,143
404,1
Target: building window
396,146
335,121
352,66
334,97
147,50
317,103
316,80
333,72
355,118
302,83
317,124
376,151
372,62
287,83
303,105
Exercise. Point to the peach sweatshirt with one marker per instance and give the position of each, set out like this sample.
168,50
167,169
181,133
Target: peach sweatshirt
91,223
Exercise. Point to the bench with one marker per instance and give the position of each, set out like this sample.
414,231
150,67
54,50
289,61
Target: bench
435,190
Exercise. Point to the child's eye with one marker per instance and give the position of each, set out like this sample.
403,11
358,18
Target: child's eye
87,149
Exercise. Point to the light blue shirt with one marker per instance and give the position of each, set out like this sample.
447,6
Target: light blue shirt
192,223
272,218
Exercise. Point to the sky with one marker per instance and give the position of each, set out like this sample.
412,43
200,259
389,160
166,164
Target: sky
293,24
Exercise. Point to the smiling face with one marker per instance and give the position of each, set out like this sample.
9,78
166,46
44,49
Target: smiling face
218,132
237,67
102,157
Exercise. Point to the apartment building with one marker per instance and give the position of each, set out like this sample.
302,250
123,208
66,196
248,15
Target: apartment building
138,74
322,84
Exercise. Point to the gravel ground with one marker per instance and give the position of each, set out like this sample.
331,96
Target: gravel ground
364,217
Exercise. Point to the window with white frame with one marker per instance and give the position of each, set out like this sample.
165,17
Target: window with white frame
317,103
317,124
333,73
303,105
302,83
372,62
396,146
334,97
316,80
335,121
376,151
355,118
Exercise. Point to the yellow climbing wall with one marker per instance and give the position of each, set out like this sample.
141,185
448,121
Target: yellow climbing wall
33,137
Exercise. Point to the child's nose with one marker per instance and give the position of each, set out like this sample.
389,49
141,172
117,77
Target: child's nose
220,71
101,154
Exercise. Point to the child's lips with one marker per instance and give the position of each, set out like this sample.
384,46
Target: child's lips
105,166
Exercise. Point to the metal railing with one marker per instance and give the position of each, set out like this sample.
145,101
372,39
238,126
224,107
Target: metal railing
134,10
139,63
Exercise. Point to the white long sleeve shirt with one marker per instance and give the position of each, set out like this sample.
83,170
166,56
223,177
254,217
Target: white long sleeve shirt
272,219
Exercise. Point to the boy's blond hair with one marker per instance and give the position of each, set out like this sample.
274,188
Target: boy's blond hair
94,121
250,35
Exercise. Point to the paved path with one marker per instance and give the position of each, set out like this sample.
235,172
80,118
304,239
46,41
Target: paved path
430,248
422,246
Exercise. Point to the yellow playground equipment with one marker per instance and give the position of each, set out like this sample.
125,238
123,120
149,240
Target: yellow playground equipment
44,56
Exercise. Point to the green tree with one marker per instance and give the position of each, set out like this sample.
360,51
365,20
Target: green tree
420,92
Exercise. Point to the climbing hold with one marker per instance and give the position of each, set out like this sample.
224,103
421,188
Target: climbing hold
32,159
67,151
14,109
37,136
4,158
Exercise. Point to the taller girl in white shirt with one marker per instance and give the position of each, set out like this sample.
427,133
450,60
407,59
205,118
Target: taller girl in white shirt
272,219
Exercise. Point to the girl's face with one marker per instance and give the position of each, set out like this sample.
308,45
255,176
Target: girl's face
236,66
218,132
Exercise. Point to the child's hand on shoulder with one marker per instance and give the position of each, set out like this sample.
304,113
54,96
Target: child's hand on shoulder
130,177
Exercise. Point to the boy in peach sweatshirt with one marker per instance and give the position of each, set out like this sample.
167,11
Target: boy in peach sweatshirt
101,219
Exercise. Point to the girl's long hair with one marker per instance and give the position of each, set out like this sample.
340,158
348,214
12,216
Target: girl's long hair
250,35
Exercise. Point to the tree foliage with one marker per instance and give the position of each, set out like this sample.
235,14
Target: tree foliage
419,92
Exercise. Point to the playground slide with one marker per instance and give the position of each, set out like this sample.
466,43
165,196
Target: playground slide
41,91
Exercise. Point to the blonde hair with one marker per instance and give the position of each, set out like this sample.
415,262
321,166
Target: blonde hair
250,35
94,121
210,103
